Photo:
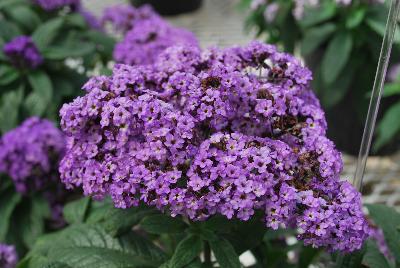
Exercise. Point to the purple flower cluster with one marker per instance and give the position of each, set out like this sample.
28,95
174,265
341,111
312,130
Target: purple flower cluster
30,154
124,17
226,132
23,52
143,43
50,5
8,256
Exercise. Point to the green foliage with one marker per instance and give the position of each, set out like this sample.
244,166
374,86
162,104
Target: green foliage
224,253
388,127
75,211
388,219
160,224
373,257
42,91
336,56
59,36
8,202
316,36
85,246
187,250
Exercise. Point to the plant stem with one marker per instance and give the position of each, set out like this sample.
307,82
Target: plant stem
207,253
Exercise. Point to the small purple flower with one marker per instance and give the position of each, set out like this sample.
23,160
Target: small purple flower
22,52
8,256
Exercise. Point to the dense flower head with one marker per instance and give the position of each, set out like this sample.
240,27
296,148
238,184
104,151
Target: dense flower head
124,17
50,5
299,6
8,256
30,154
202,133
23,52
143,43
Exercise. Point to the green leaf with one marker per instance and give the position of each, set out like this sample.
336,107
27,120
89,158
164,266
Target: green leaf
336,56
104,43
162,224
307,255
186,251
8,201
9,108
36,102
142,246
388,127
390,89
8,74
45,34
24,16
40,262
271,234
246,235
388,219
351,260
84,246
76,20
6,3
29,219
316,36
75,211
68,50
336,91
314,16
225,253
373,257
355,18
380,28
8,30
116,221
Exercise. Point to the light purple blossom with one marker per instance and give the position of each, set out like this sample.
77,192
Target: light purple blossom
22,52
144,42
8,256
200,133
30,154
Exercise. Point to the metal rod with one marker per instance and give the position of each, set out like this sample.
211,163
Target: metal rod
376,93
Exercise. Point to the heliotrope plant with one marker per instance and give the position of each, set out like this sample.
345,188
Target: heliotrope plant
46,48
207,155
146,34
29,156
340,41
201,136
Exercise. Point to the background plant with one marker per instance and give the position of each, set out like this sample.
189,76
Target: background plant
340,43
68,48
